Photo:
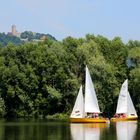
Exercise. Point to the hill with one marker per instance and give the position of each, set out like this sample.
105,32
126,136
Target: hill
35,36
6,38
25,36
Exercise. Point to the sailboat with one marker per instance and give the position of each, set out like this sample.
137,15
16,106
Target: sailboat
125,108
88,105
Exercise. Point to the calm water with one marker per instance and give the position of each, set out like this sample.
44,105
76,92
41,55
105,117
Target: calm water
52,130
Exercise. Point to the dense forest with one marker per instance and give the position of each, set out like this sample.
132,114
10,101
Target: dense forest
40,79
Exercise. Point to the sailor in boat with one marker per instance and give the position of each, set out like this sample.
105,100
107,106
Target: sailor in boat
92,115
89,115
124,115
96,115
116,116
121,115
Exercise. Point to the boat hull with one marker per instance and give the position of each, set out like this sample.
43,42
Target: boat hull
124,119
89,120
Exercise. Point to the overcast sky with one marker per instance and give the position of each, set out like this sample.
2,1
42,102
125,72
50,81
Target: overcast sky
62,18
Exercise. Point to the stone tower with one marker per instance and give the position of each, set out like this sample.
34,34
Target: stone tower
14,31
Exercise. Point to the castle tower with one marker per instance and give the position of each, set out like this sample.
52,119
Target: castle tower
14,31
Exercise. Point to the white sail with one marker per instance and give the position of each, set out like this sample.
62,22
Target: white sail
125,104
91,103
78,109
122,101
131,109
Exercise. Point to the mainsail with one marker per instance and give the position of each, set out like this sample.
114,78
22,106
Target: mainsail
78,110
122,101
91,103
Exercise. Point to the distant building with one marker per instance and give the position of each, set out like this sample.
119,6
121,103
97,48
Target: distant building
43,38
14,31
24,39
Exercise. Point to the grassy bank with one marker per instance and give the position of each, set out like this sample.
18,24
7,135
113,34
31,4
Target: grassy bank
58,116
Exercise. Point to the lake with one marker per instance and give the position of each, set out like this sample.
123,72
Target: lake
58,130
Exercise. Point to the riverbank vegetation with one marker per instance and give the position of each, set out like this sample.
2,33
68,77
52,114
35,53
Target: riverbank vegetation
41,79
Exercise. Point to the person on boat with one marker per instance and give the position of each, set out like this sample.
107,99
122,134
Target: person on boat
89,115
123,115
116,116
96,115
119,115
93,115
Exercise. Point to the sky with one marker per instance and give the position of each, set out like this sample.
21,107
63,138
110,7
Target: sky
76,18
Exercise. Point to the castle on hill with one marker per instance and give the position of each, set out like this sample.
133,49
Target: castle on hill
27,35
14,31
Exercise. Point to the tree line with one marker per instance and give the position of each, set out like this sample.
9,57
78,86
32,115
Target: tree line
6,38
40,79
29,36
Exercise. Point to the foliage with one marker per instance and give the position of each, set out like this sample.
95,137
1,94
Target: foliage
32,35
42,79
6,39
58,116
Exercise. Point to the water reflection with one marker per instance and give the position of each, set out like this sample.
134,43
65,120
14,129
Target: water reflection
86,131
126,130
34,130
53,130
